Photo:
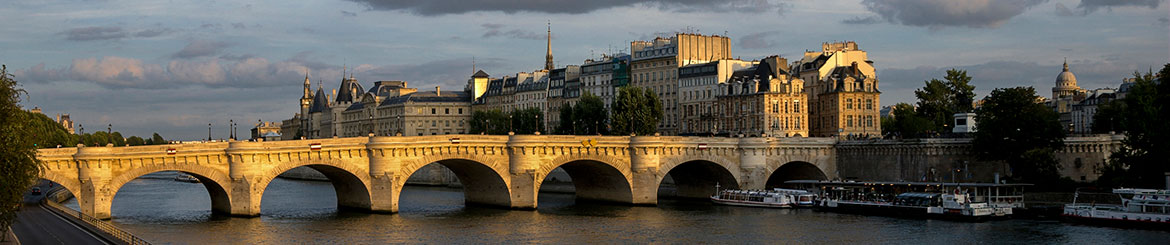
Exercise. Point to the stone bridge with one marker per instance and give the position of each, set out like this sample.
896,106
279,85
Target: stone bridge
368,173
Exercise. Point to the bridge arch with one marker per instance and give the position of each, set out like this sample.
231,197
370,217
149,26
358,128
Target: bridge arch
794,170
484,180
697,177
595,178
350,183
70,184
217,182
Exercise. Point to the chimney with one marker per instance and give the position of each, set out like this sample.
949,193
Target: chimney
437,90
855,71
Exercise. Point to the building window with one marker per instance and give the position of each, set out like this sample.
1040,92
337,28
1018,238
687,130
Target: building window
433,111
775,106
848,104
460,111
849,121
869,104
869,121
796,106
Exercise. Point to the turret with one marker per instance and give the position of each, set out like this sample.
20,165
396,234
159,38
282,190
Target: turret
307,98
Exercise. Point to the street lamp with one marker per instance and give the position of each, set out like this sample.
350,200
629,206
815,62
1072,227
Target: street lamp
510,129
232,130
82,127
110,129
208,132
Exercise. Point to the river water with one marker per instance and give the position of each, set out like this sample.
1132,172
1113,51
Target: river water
299,212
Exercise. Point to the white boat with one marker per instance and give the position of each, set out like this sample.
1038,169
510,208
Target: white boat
754,198
800,198
1139,207
775,198
911,199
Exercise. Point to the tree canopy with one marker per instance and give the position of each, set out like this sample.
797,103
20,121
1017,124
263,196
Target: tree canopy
19,167
637,111
527,121
489,122
939,100
1016,129
1144,116
590,116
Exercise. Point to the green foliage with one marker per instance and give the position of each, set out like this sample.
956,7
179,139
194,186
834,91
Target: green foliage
906,123
565,126
1144,115
527,121
489,122
19,167
589,115
46,133
1109,117
636,111
1015,129
158,140
117,139
100,138
135,141
939,100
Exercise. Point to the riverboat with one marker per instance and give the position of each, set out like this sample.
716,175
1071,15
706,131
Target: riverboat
1146,208
186,178
969,201
754,198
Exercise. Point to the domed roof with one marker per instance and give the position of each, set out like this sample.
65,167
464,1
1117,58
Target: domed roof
1066,78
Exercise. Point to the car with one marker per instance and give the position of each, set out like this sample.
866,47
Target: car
36,191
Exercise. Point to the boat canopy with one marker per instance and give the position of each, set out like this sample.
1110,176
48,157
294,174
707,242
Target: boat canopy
901,183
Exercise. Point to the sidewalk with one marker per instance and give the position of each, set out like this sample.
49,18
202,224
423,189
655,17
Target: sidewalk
9,239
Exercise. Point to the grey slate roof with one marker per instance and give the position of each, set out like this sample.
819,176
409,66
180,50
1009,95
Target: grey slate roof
430,97
319,104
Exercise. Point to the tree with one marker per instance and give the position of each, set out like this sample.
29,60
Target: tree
46,133
489,122
527,121
1145,118
1015,129
636,111
590,117
906,123
158,139
565,126
19,167
117,139
1109,117
135,141
939,100
100,138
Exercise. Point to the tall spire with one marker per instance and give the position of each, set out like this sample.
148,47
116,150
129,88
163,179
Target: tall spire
548,58
1065,63
308,85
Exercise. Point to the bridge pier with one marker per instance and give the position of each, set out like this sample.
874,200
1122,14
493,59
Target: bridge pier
753,163
94,173
522,166
645,157
385,180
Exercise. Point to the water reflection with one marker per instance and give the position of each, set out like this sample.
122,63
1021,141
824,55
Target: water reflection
165,211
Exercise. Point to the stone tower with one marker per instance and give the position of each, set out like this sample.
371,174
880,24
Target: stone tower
307,98
548,58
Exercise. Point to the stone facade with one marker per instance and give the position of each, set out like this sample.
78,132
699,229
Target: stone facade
698,86
763,100
654,66
843,92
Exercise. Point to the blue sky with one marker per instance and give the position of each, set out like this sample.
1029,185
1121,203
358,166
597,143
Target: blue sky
174,66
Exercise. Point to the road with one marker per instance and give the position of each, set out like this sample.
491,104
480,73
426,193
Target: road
36,224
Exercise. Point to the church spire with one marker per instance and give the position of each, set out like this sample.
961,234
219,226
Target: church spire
308,85
548,58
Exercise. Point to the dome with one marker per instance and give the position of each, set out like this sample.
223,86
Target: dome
1066,79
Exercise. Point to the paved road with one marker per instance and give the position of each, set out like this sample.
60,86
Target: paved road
35,224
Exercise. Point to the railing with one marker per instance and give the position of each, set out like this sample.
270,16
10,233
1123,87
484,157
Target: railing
56,196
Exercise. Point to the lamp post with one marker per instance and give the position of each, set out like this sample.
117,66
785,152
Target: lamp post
371,122
510,129
401,124
110,129
82,127
232,129
209,132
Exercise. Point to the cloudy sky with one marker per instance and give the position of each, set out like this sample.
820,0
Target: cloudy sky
174,66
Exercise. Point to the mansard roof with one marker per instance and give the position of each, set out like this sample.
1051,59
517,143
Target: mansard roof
430,97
